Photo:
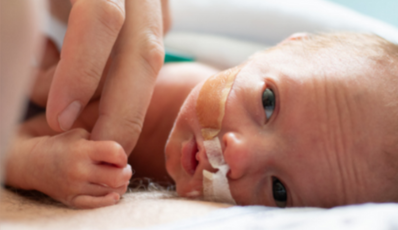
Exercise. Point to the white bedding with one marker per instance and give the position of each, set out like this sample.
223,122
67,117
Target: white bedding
355,217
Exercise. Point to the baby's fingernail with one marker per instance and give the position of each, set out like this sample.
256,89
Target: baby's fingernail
69,115
127,184
116,199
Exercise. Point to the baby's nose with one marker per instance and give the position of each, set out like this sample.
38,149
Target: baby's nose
236,154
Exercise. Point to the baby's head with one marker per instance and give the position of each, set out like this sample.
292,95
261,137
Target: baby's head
310,122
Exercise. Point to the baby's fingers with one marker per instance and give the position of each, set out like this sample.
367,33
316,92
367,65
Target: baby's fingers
112,177
87,201
109,152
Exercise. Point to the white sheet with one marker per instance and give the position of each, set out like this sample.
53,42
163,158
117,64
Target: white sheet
355,217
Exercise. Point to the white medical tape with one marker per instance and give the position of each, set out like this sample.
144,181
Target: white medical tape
215,185
214,152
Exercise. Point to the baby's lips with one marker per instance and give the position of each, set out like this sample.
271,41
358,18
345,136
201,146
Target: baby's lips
189,160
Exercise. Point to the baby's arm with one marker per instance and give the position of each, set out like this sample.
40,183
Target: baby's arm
68,166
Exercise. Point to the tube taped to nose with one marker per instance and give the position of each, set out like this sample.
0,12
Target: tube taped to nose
215,185
210,105
210,109
213,150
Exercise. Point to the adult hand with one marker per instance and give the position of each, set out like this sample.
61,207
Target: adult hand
130,34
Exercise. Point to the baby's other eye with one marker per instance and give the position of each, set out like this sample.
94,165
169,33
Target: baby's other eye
268,102
279,193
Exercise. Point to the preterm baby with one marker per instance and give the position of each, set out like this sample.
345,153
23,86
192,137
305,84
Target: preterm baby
312,121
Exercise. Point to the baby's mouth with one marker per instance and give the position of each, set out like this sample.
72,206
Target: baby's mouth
188,156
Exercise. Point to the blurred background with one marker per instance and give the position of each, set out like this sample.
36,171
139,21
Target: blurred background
385,10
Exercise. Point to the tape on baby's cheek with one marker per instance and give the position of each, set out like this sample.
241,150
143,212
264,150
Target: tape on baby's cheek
210,109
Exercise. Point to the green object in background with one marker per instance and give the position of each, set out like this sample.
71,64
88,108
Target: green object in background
175,57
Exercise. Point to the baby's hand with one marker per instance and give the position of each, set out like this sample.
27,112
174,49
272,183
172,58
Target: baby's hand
78,172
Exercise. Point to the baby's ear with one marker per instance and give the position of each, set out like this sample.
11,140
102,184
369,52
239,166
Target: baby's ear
295,36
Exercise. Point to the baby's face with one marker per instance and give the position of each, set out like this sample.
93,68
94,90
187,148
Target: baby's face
311,149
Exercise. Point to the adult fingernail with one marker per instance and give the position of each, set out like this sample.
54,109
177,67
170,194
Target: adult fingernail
69,115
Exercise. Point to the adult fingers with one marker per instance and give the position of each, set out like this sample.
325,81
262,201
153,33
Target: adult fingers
93,27
50,56
44,72
41,86
88,116
137,58
166,16
44,77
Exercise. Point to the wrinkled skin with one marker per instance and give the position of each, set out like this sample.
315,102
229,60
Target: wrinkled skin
317,141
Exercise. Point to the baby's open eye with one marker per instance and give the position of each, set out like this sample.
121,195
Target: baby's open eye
279,193
268,102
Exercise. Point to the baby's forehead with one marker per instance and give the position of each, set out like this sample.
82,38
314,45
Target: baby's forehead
280,64
327,64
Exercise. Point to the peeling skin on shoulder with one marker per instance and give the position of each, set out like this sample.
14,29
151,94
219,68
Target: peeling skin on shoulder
210,110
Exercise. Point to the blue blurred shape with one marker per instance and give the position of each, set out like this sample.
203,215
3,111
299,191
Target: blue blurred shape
385,10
